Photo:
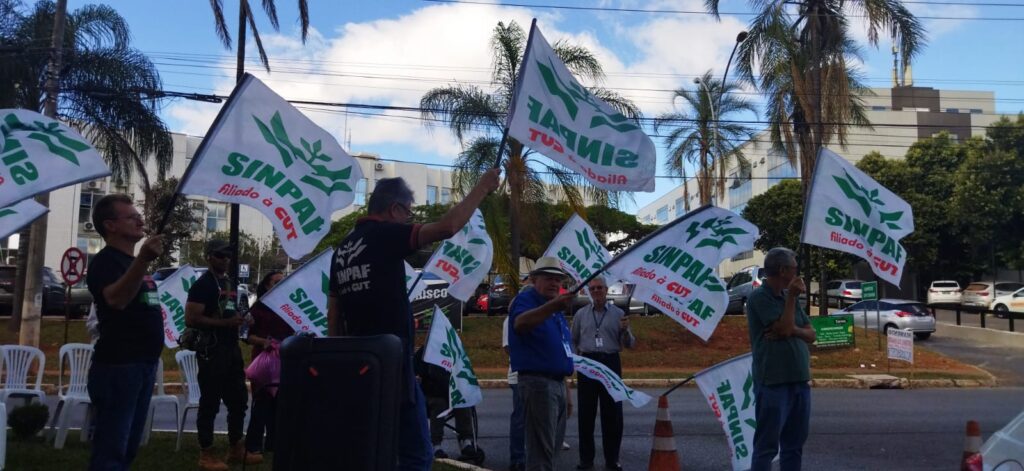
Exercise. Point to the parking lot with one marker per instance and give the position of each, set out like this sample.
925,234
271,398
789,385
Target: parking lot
973,319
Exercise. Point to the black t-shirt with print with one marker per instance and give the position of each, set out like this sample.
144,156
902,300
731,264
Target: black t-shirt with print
368,277
130,335
218,300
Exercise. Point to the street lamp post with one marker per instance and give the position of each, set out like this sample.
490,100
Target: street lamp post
717,104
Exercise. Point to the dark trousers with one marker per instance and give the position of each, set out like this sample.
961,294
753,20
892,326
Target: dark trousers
120,396
261,419
783,415
517,429
464,423
221,378
590,395
414,450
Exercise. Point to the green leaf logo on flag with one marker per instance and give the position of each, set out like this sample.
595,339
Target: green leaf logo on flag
7,212
867,200
323,179
720,229
49,134
570,94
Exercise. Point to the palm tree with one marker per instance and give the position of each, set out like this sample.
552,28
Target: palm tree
474,116
802,49
245,16
703,138
107,87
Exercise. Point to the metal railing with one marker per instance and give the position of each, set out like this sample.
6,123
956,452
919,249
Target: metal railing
982,313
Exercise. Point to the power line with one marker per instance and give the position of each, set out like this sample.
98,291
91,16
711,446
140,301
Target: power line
702,12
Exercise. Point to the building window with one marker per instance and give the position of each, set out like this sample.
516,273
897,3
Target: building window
431,194
216,217
976,111
952,110
446,195
199,212
779,169
879,108
739,191
85,204
662,214
360,193
89,244
680,206
743,255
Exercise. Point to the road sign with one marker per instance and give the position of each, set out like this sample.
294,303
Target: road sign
901,344
72,266
833,331
243,270
869,291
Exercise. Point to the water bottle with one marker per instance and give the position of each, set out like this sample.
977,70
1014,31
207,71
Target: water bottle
243,331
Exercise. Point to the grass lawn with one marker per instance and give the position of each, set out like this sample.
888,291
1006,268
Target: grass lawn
665,350
158,455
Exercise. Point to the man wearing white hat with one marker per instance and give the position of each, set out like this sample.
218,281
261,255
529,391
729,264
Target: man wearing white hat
541,353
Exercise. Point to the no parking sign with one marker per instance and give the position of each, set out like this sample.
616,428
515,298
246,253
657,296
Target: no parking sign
72,266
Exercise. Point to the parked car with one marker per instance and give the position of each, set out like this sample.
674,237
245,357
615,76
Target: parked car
741,285
1007,303
481,303
901,314
620,294
53,293
981,294
498,296
842,292
944,292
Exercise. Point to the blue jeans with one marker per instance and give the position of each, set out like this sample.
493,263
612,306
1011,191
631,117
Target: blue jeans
517,429
783,418
415,453
120,396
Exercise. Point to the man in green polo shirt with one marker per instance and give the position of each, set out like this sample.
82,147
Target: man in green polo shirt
779,334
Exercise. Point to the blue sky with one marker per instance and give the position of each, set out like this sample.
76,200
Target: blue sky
391,51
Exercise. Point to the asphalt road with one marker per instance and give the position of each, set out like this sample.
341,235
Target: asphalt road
973,319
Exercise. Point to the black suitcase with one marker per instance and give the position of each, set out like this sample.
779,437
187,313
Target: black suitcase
337,405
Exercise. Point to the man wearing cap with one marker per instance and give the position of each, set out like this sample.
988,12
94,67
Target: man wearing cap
211,309
541,353
367,294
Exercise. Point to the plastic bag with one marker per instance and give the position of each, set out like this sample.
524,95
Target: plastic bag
265,370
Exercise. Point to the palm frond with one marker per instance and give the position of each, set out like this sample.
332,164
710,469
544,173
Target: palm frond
251,20
463,107
219,24
580,61
271,10
473,161
304,19
619,103
97,26
507,47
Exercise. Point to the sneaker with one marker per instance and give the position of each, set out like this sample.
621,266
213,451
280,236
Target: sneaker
472,454
208,461
565,446
439,453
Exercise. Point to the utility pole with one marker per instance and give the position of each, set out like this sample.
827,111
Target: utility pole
233,228
32,302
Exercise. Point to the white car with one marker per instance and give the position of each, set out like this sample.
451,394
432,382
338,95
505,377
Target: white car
944,292
843,292
1013,302
981,294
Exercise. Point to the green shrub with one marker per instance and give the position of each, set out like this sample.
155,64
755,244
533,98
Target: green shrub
26,421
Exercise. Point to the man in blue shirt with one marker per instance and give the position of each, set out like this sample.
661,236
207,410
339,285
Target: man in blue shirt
541,353
780,332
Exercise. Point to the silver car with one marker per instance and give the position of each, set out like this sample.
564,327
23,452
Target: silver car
741,285
902,314
980,294
842,292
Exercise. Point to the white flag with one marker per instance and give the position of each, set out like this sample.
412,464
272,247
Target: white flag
263,153
578,249
554,115
412,276
618,390
444,349
464,259
729,389
301,298
674,269
850,212
173,294
39,154
17,215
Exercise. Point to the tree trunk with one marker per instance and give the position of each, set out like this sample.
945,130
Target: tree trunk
31,303
819,133
233,227
24,240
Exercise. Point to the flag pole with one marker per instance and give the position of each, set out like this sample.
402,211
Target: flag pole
200,151
517,87
679,385
640,243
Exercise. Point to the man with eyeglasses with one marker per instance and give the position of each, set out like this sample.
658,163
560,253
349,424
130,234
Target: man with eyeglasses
368,295
131,332
599,331
211,308
780,332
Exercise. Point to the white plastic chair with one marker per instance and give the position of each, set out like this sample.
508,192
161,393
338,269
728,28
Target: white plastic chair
3,436
160,396
189,368
17,361
73,393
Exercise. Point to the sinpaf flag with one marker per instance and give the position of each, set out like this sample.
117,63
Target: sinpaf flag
849,211
578,250
301,298
264,153
554,115
414,283
464,259
612,383
444,349
674,269
173,294
19,214
729,390
39,154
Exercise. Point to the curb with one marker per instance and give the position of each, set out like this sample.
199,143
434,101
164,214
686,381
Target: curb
825,383
460,465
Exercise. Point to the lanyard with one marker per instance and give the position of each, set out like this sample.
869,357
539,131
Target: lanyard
597,323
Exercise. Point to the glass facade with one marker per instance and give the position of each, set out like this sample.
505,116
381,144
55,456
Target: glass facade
779,169
216,217
431,194
662,215
360,193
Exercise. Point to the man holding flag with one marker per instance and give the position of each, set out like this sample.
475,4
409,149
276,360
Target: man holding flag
368,292
779,334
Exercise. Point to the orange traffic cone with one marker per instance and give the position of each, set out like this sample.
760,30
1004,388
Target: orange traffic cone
663,453
971,460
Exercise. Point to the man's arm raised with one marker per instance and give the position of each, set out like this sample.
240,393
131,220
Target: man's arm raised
459,215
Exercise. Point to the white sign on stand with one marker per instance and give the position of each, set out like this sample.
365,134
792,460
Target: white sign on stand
243,270
901,345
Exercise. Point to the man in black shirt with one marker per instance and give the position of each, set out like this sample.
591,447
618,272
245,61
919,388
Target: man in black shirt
368,292
211,308
131,332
